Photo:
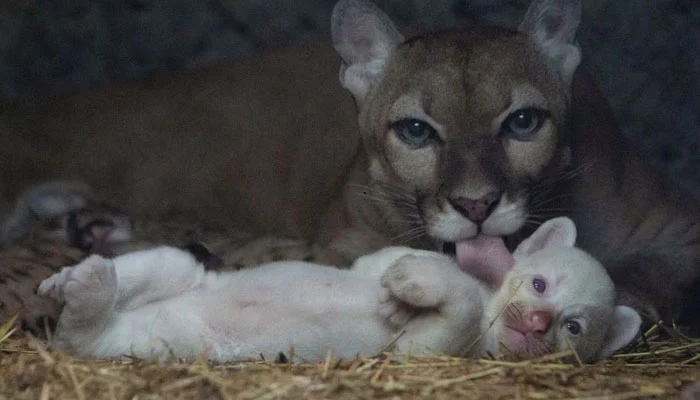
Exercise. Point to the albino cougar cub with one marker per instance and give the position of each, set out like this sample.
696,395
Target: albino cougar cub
161,302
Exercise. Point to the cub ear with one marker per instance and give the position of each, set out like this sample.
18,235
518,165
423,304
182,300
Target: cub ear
557,232
552,25
624,327
364,37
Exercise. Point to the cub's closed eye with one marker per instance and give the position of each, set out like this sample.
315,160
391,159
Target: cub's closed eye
415,133
523,124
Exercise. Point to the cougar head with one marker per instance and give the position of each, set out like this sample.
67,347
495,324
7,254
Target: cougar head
461,128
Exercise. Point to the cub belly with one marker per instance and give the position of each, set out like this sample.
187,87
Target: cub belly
326,310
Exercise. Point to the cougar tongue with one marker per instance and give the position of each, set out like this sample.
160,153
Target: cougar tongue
484,257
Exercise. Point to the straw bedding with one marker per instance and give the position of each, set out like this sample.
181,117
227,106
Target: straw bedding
659,369
660,365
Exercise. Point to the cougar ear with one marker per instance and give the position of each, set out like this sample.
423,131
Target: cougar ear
364,37
552,25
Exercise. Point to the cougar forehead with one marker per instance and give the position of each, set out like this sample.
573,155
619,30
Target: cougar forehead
462,79
464,84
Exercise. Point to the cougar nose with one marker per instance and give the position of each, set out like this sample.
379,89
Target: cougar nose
476,210
538,321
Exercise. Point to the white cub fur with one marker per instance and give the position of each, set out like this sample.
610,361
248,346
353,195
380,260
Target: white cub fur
161,302
555,297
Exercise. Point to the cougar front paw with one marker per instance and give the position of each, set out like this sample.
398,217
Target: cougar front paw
87,289
57,198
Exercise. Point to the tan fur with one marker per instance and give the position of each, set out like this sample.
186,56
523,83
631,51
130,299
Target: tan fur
196,142
271,145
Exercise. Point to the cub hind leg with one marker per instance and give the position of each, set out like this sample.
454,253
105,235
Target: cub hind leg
89,287
114,305
143,277
89,292
152,275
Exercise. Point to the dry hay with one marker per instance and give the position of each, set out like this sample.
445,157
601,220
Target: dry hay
658,366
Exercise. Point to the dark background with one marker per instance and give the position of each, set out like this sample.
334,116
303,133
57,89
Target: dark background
645,53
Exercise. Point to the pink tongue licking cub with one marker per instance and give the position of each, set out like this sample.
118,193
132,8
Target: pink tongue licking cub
485,258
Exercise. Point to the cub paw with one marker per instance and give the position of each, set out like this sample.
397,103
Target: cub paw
88,289
393,311
417,280
53,286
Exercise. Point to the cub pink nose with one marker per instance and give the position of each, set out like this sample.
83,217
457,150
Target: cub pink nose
538,321
476,210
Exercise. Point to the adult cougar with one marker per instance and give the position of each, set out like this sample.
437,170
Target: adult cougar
463,134
468,134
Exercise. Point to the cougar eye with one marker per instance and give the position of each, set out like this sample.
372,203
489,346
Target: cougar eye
573,327
523,124
414,132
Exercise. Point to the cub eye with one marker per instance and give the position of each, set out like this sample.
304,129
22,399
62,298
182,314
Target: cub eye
539,285
523,124
573,327
414,132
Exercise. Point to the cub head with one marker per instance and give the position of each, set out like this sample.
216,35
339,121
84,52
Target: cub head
557,297
462,129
